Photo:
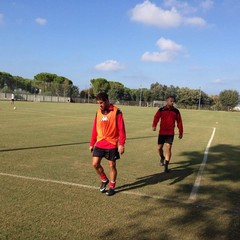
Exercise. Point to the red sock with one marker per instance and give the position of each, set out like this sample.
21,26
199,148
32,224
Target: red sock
112,184
103,177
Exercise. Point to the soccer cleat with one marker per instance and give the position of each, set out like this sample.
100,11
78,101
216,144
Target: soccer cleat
103,186
162,160
166,170
110,192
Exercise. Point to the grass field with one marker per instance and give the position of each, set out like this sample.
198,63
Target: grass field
49,190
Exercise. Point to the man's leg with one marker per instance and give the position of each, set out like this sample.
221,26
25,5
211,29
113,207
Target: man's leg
160,152
113,170
113,177
168,154
96,162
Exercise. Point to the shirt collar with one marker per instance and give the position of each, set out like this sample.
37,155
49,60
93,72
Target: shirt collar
110,108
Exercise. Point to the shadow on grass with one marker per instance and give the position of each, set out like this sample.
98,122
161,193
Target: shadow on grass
178,172
175,175
223,191
60,145
215,214
44,146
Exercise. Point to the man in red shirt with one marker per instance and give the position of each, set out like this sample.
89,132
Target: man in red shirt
168,115
107,140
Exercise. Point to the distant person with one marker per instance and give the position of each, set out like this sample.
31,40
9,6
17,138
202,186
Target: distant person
12,98
168,116
107,140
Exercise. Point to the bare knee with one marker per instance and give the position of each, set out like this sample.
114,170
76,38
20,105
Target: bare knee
112,165
96,163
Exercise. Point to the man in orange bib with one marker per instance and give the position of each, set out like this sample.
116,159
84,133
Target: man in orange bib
107,140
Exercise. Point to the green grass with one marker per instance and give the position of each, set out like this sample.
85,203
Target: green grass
49,141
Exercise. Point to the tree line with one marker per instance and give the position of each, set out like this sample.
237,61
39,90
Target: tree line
52,84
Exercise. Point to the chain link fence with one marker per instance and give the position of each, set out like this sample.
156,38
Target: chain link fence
48,98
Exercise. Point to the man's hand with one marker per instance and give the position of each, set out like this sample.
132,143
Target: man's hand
91,148
180,136
121,149
154,128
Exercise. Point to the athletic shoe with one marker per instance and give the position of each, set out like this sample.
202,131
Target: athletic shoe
103,186
162,160
166,170
110,192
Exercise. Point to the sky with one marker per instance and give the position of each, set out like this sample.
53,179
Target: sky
193,44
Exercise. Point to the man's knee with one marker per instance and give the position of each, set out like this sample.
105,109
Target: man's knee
112,164
96,163
160,146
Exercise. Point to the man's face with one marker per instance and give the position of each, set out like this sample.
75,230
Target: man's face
103,104
170,102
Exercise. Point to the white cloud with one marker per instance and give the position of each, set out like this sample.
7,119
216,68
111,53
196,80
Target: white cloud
169,45
149,13
1,19
184,7
41,21
218,80
109,65
157,56
195,21
206,5
168,51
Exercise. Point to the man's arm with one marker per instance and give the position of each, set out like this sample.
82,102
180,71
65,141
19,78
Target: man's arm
94,134
122,132
180,125
155,120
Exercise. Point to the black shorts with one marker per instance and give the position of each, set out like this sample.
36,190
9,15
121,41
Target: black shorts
109,154
165,139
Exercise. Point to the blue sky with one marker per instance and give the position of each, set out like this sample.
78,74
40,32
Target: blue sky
191,44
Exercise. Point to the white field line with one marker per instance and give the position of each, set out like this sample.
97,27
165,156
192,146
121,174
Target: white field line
47,180
193,194
91,187
124,192
78,185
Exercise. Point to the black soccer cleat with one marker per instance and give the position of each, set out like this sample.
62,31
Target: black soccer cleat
103,186
162,160
110,192
166,170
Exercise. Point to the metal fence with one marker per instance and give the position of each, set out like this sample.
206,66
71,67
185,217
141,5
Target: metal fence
33,97
47,98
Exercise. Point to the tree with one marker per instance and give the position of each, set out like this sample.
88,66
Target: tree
127,96
23,84
229,99
206,100
6,81
116,91
100,85
171,91
74,91
53,84
146,95
44,80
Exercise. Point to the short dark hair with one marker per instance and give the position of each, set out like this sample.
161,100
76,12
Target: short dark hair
171,96
102,96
